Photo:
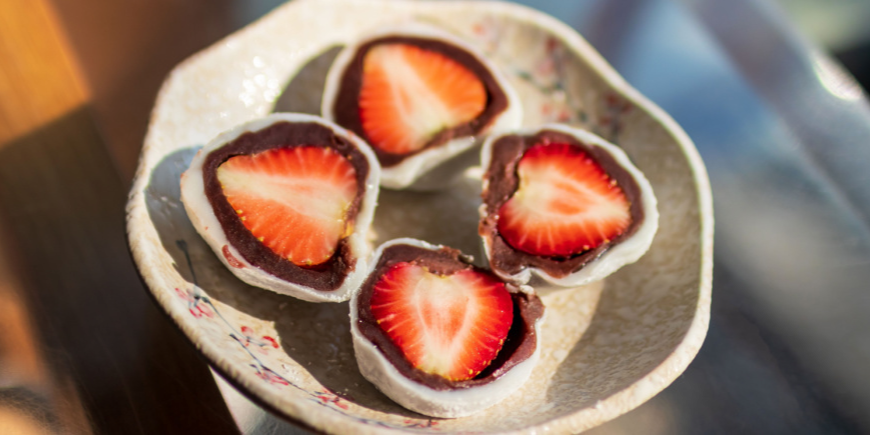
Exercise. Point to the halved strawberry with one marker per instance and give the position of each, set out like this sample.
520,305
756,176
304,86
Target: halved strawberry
448,325
409,94
294,200
565,203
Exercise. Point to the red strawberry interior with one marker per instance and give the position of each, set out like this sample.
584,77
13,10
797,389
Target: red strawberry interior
405,94
443,322
410,94
447,325
293,199
299,186
565,203
555,203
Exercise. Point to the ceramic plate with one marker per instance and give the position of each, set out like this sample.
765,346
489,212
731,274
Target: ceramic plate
607,347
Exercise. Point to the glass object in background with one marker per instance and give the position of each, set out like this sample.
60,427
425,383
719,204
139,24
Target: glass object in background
787,346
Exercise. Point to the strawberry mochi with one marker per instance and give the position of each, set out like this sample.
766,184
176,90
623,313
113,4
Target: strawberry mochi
286,202
421,98
440,336
564,205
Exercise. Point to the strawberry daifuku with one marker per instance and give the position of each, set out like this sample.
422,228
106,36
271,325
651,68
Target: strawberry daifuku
419,97
295,200
447,325
286,202
410,94
563,204
440,336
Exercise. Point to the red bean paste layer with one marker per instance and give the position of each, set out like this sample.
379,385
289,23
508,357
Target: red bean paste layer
345,109
502,180
519,345
326,276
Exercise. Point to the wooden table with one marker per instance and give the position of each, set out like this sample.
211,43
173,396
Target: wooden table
85,350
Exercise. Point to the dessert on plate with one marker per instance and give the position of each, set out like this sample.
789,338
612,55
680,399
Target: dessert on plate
286,202
421,98
564,205
440,336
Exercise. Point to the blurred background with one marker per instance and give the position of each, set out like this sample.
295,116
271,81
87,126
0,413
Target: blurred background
767,89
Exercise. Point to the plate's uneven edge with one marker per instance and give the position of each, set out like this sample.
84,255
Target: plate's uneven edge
609,408
677,362
312,417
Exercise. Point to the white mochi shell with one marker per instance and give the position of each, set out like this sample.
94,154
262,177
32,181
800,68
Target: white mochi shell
204,220
437,167
626,252
375,367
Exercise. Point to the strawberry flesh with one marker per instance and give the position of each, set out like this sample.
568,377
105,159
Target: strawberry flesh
565,203
293,199
410,94
451,325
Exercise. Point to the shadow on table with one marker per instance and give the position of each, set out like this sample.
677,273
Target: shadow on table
316,336
106,347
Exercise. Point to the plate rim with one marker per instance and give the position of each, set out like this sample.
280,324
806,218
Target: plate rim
606,409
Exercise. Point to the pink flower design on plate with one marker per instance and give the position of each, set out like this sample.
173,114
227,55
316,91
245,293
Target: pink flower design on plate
197,305
329,397
270,376
262,344
420,424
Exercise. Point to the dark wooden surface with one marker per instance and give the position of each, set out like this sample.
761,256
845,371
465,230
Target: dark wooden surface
84,350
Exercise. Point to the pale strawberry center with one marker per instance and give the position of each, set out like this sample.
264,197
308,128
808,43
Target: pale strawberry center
409,94
547,193
294,200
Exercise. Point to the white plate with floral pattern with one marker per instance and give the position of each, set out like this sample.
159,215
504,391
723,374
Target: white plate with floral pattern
606,348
